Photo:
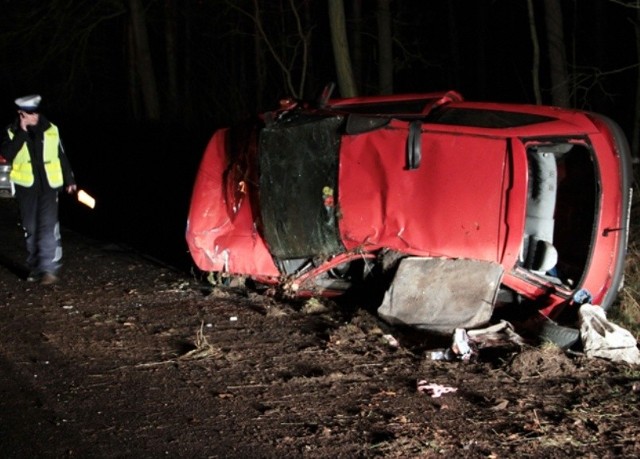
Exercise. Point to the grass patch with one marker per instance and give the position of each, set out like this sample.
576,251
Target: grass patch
626,311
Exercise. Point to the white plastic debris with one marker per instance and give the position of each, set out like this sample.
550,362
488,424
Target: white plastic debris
466,343
441,354
461,344
459,350
433,389
604,339
500,334
391,341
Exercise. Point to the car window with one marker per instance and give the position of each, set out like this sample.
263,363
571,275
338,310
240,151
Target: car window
484,118
561,210
408,107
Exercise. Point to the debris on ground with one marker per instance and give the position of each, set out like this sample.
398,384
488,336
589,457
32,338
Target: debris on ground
466,344
604,339
391,341
433,389
314,306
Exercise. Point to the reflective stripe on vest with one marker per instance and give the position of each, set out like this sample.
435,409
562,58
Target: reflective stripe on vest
22,172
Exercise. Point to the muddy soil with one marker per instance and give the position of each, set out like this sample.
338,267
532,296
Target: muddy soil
128,356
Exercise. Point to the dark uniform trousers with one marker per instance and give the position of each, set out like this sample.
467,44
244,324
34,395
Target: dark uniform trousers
39,216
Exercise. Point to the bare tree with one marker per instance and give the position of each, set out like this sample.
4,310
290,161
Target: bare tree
261,68
292,56
142,60
171,47
535,70
385,65
59,36
357,42
346,82
556,50
557,54
635,133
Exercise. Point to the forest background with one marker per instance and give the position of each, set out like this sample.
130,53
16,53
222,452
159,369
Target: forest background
201,64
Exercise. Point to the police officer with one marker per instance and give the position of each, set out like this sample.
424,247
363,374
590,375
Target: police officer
40,169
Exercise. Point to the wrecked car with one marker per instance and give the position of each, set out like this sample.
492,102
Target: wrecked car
457,209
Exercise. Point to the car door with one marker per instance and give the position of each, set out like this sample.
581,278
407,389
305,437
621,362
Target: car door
452,203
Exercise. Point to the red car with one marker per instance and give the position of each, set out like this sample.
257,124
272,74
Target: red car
457,208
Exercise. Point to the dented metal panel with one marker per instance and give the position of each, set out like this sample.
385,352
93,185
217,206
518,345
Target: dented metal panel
222,238
451,205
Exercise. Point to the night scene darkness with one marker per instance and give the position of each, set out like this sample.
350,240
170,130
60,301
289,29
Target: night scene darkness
417,265
195,65
137,87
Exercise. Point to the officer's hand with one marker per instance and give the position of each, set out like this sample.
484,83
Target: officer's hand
71,189
28,119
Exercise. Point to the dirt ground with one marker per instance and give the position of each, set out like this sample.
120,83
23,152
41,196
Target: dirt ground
128,357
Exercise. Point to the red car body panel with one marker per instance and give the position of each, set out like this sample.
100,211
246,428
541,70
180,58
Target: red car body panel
467,196
438,210
220,239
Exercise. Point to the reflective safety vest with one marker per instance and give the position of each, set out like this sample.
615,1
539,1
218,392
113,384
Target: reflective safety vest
22,171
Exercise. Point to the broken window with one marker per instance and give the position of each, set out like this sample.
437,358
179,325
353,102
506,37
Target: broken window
561,209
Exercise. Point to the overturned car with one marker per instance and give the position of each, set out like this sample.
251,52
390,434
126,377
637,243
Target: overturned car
456,208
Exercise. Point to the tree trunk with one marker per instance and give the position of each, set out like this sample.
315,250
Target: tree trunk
339,41
535,70
143,61
187,109
132,78
171,46
261,69
357,36
481,50
385,66
557,54
454,49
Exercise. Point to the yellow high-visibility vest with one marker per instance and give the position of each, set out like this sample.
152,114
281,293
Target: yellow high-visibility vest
22,171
